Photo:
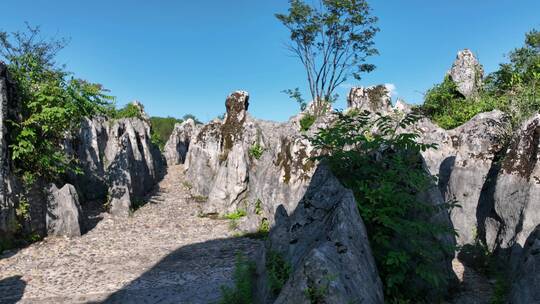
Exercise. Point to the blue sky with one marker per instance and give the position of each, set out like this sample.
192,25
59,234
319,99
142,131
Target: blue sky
184,56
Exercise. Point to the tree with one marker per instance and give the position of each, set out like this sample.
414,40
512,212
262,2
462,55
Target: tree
52,104
332,39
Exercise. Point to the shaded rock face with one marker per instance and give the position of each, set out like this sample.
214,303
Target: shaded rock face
526,281
463,163
223,171
516,196
118,159
467,73
177,146
63,211
8,200
325,242
372,99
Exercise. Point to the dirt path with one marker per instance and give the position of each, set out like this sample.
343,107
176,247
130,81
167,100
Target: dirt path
163,253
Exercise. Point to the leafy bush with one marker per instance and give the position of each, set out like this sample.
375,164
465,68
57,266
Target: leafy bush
278,271
256,151
242,293
53,104
307,121
384,170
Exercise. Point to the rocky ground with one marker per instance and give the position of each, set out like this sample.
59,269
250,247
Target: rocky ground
162,253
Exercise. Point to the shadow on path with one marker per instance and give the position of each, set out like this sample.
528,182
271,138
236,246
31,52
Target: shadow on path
11,289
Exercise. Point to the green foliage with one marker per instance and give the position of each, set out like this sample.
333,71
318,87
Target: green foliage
23,209
307,121
316,295
53,104
242,293
235,215
256,151
332,39
258,207
384,170
162,128
449,109
130,110
278,271
297,96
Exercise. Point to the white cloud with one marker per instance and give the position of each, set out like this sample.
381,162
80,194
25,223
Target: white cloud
392,89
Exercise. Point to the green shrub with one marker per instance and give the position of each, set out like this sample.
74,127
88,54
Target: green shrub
256,151
278,271
53,104
307,121
130,110
244,278
385,172
258,207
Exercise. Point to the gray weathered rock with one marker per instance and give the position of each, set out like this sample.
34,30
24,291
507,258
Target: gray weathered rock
516,197
372,99
117,156
526,281
467,73
64,216
177,146
8,199
222,169
462,162
325,242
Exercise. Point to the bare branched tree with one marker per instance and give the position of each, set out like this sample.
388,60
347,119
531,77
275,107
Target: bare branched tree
332,39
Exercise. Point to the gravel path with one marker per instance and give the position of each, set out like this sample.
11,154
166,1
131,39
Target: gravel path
163,253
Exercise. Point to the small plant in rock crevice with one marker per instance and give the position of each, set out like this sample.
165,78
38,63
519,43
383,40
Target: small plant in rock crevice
256,151
307,121
278,271
258,207
238,214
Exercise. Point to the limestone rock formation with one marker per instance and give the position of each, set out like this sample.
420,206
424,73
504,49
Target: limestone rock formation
372,99
325,242
118,159
467,73
463,160
526,281
8,200
516,197
64,216
224,170
177,146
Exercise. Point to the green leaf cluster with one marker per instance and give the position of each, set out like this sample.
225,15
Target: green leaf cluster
256,151
375,157
307,121
162,128
278,271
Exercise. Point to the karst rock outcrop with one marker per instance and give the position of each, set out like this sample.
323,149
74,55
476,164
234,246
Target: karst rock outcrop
372,99
526,280
64,214
118,160
467,73
176,148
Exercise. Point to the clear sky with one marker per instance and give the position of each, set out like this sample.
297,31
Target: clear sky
186,56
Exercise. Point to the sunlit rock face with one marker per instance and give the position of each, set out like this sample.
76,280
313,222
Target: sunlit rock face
118,160
177,146
373,99
467,73
225,169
